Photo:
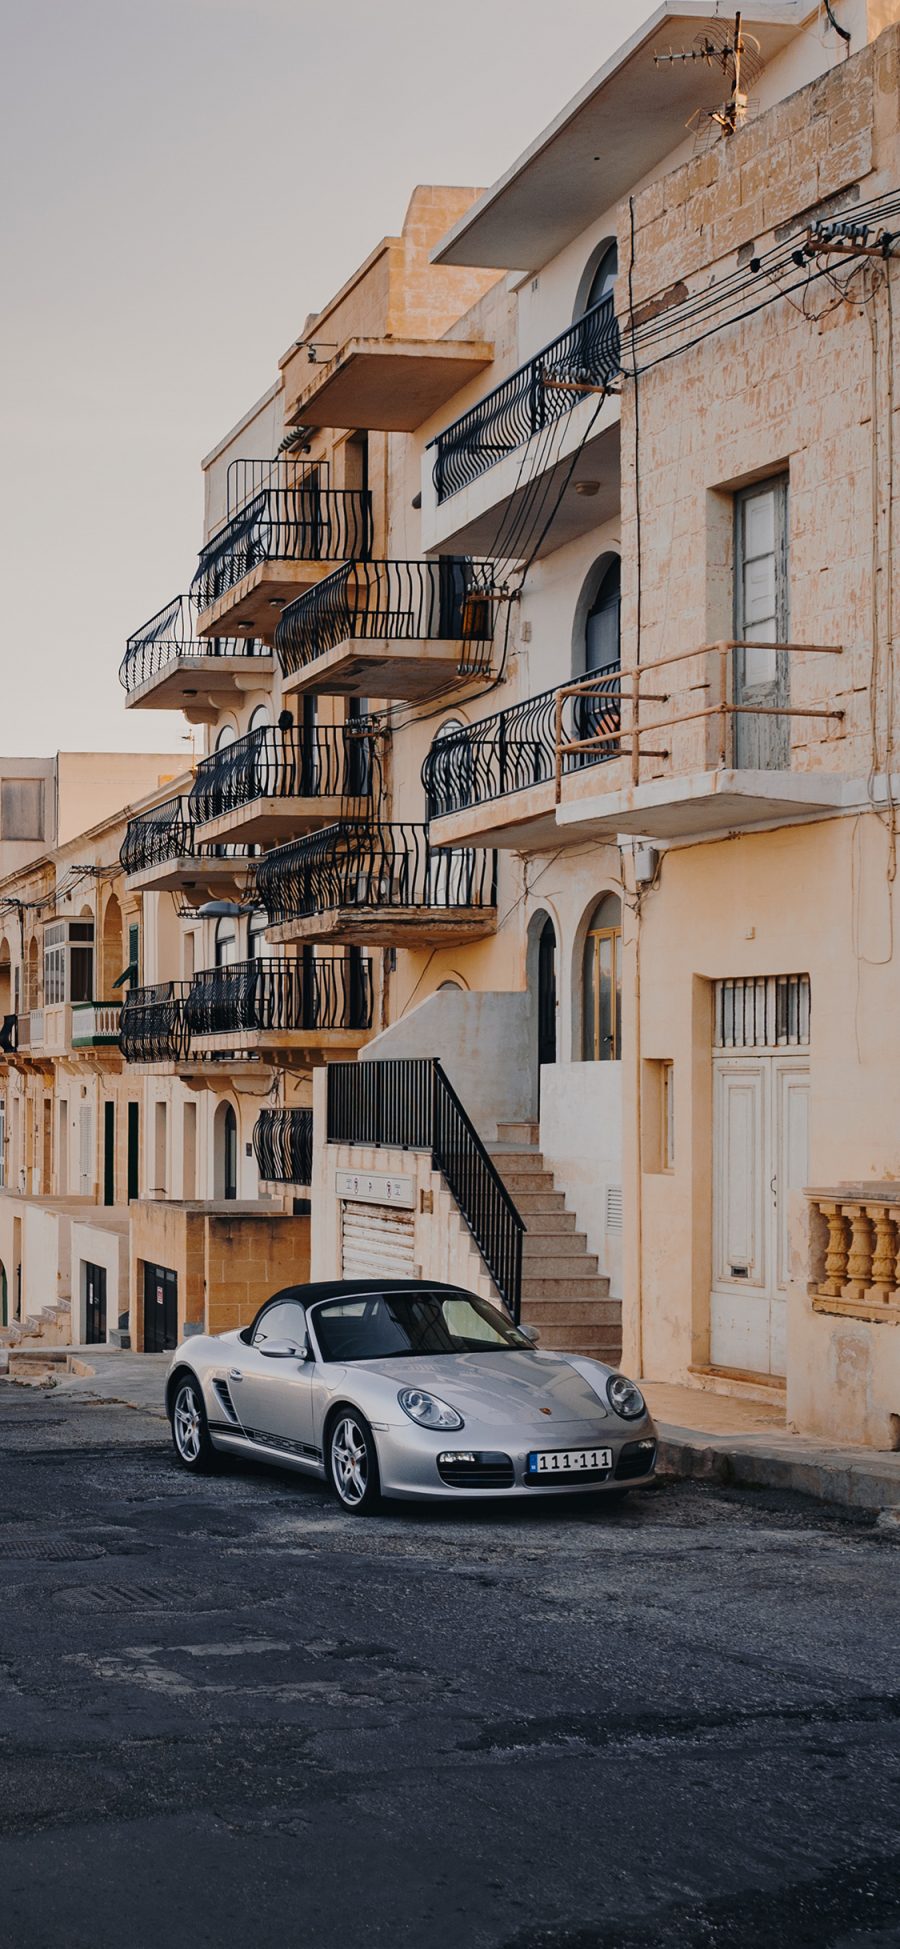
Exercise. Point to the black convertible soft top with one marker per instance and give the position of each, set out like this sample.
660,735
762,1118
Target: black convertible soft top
347,1289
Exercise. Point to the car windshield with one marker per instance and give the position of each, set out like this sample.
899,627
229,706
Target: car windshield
378,1326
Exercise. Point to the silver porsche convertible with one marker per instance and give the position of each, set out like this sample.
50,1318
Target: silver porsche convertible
407,1388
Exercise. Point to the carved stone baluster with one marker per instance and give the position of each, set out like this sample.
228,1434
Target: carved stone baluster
859,1259
838,1250
894,1215
884,1256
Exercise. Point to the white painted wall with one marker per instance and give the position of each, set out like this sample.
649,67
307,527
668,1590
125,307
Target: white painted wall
486,1044
104,1246
581,1139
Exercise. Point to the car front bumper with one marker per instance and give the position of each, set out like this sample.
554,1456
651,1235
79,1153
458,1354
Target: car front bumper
410,1463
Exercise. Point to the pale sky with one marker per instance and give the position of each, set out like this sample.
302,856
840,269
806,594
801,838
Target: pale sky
183,181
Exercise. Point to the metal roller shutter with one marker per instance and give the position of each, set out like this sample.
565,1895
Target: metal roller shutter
376,1240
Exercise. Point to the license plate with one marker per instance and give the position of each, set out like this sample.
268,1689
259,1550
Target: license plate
568,1461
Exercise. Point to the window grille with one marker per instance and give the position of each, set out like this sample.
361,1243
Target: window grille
762,1012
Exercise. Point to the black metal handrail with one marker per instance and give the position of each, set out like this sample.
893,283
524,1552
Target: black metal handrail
411,1104
303,992
283,1146
165,832
372,866
304,523
516,748
452,599
172,633
588,354
324,761
153,1025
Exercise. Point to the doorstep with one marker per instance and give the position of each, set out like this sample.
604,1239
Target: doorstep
717,1438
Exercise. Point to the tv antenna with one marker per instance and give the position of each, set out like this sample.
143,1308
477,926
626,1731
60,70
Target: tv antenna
739,57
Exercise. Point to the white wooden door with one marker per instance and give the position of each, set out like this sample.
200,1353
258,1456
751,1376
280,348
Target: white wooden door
760,1153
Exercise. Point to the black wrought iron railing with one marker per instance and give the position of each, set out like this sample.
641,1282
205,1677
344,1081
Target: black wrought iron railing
303,993
9,1034
588,354
153,1025
304,523
372,866
325,761
412,1105
165,832
172,633
283,1146
516,748
452,599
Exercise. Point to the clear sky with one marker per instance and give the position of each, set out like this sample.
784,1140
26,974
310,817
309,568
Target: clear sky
184,181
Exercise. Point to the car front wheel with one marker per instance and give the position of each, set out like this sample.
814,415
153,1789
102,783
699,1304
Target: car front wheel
190,1433
353,1463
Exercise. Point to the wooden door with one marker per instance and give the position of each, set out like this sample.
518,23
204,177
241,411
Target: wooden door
760,1154
761,675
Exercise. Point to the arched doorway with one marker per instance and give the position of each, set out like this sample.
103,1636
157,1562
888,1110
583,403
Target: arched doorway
225,1152
546,994
112,948
4,1301
601,983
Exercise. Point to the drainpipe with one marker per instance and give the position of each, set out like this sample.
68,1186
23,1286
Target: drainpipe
638,1150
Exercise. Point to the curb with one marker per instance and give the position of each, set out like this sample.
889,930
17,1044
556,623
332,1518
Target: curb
825,1477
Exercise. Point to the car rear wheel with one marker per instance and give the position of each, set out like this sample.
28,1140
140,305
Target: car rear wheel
353,1463
190,1433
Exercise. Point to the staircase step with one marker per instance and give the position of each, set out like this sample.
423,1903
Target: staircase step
559,1265
541,1201
549,1224
550,1313
555,1245
566,1286
517,1133
509,1159
599,1342
527,1181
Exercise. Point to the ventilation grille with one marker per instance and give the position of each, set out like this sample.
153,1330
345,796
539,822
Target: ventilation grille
614,1207
762,1012
221,1388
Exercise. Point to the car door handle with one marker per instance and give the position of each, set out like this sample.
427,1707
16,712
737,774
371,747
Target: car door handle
235,1374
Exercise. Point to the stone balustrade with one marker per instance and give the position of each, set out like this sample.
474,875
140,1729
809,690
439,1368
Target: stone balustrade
854,1261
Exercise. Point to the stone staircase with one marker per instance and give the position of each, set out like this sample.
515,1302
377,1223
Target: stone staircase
564,1295
49,1328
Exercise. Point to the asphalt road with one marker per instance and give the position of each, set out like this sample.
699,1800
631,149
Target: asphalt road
231,1715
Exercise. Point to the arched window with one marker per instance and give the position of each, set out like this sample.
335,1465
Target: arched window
602,627
225,736
257,944
598,277
602,983
225,951
225,1152
259,717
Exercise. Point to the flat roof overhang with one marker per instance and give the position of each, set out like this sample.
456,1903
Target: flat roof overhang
388,385
195,878
521,822
582,490
256,601
619,127
302,1048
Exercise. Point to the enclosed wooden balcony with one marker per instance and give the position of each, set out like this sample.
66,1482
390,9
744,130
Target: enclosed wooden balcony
273,783
86,1032
376,882
282,542
161,854
168,666
404,629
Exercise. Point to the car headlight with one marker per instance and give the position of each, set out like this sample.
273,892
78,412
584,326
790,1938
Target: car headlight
427,1410
625,1398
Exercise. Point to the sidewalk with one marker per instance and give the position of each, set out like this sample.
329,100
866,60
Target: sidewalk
715,1437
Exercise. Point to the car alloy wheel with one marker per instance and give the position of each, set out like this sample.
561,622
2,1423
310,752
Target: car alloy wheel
354,1469
189,1430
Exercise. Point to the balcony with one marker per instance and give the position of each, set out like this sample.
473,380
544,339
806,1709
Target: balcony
160,854
168,666
495,782
283,1146
389,385
404,629
153,1028
778,752
283,541
514,436
299,1006
76,1031
377,883
273,784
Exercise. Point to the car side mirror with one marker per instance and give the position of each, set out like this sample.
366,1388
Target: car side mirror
531,1334
285,1350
